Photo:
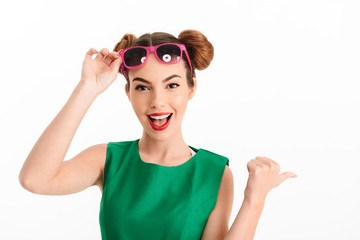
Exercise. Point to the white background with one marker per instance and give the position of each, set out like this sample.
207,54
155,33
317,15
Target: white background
284,83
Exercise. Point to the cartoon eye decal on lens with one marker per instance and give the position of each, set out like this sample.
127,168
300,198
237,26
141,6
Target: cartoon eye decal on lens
142,59
177,58
166,58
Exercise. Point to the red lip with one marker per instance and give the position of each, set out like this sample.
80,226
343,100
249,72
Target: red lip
156,127
159,114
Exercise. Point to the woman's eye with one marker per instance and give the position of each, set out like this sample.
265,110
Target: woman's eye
173,85
141,88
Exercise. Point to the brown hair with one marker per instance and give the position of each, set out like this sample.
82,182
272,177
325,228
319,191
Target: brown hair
200,50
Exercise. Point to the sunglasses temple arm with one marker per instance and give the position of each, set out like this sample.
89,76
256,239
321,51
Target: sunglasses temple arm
188,58
122,69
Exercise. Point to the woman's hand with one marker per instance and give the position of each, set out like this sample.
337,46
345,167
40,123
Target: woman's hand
97,74
263,176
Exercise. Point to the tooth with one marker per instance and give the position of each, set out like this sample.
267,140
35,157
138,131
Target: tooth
160,117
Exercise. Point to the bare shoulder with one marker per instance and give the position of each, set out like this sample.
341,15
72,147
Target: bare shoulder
76,174
228,175
89,165
98,151
95,154
227,181
226,189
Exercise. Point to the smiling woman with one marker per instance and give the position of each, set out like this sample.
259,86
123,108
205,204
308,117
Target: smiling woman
157,186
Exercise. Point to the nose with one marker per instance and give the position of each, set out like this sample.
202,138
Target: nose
158,98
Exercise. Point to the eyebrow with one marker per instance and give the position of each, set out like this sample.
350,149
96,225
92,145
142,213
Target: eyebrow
164,81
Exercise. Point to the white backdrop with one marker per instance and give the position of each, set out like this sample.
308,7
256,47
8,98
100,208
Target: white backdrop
284,83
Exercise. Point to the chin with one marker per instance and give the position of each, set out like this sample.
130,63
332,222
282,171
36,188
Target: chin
159,135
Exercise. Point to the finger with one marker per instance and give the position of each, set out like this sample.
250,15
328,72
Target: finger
271,163
111,57
257,162
255,166
264,161
284,176
251,166
91,52
102,53
251,162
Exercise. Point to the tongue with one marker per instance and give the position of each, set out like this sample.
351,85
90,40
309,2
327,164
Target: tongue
159,122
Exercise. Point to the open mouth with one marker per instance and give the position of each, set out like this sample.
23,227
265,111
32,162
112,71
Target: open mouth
159,122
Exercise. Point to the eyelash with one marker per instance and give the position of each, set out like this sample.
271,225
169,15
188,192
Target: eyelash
141,87
138,87
174,84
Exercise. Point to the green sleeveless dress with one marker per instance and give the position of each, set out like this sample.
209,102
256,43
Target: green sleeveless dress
143,200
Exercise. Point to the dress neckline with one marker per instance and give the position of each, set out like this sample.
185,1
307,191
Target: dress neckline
197,151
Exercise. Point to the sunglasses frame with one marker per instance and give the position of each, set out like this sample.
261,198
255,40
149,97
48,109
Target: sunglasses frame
152,49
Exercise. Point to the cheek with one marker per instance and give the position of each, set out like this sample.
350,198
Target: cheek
138,105
180,100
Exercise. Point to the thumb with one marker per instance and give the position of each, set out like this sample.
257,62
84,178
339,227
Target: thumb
284,176
115,65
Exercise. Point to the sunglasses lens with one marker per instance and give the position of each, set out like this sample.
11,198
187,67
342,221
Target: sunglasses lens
169,53
134,57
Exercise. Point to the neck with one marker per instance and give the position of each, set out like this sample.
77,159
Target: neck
168,148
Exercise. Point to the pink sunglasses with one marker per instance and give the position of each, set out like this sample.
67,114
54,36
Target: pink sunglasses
167,53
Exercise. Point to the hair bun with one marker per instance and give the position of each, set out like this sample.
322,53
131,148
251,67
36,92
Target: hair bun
200,50
127,40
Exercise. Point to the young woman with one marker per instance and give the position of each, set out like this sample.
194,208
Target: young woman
155,187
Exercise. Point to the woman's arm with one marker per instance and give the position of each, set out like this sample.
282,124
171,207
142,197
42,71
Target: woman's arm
245,223
47,155
263,176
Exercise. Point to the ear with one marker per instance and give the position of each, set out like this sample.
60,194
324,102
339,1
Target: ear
193,89
127,93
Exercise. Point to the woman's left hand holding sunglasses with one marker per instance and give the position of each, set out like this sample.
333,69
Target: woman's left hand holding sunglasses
100,72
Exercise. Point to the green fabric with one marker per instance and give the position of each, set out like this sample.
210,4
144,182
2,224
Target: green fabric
143,200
